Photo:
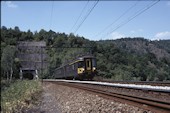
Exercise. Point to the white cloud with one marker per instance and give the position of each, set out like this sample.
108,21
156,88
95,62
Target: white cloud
11,4
116,35
162,35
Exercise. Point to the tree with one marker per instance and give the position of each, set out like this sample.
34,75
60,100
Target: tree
42,35
16,33
3,33
29,35
7,60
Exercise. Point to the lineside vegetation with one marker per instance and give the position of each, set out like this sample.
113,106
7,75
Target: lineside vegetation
20,95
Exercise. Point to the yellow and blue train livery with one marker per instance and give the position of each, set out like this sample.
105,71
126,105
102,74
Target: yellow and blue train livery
82,68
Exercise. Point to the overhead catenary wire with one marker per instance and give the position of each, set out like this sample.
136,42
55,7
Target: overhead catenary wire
131,7
134,16
80,15
86,16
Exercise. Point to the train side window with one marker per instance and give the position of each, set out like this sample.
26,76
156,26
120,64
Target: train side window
73,67
80,64
67,68
58,71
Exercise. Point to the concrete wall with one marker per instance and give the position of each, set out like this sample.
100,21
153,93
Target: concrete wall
32,56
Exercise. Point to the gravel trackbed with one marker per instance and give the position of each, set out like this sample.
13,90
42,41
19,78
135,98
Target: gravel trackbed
63,99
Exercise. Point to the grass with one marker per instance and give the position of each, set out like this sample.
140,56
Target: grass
19,95
5,84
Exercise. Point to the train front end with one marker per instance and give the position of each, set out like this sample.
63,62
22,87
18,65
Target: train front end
87,68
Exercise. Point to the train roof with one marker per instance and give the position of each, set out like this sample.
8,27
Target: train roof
87,56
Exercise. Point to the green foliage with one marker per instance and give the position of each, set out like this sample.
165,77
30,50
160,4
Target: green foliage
7,61
121,59
131,59
17,95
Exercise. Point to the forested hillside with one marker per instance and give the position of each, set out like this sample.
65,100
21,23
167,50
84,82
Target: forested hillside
121,59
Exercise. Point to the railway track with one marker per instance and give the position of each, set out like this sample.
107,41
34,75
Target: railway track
152,83
154,99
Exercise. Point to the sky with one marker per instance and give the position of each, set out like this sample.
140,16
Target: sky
97,20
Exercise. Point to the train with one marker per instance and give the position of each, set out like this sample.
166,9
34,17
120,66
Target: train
81,68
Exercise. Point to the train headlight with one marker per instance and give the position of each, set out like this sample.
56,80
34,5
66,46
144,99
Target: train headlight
82,69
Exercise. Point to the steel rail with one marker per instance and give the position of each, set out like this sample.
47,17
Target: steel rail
156,104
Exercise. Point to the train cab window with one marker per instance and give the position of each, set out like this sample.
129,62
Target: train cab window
81,64
94,62
88,63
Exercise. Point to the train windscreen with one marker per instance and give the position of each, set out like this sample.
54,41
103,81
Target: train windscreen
94,62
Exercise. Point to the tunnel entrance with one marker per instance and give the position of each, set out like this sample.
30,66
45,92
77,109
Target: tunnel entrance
28,75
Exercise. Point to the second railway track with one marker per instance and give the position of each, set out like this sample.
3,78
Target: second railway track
156,100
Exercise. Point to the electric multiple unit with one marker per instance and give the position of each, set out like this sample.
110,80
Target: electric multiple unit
81,68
